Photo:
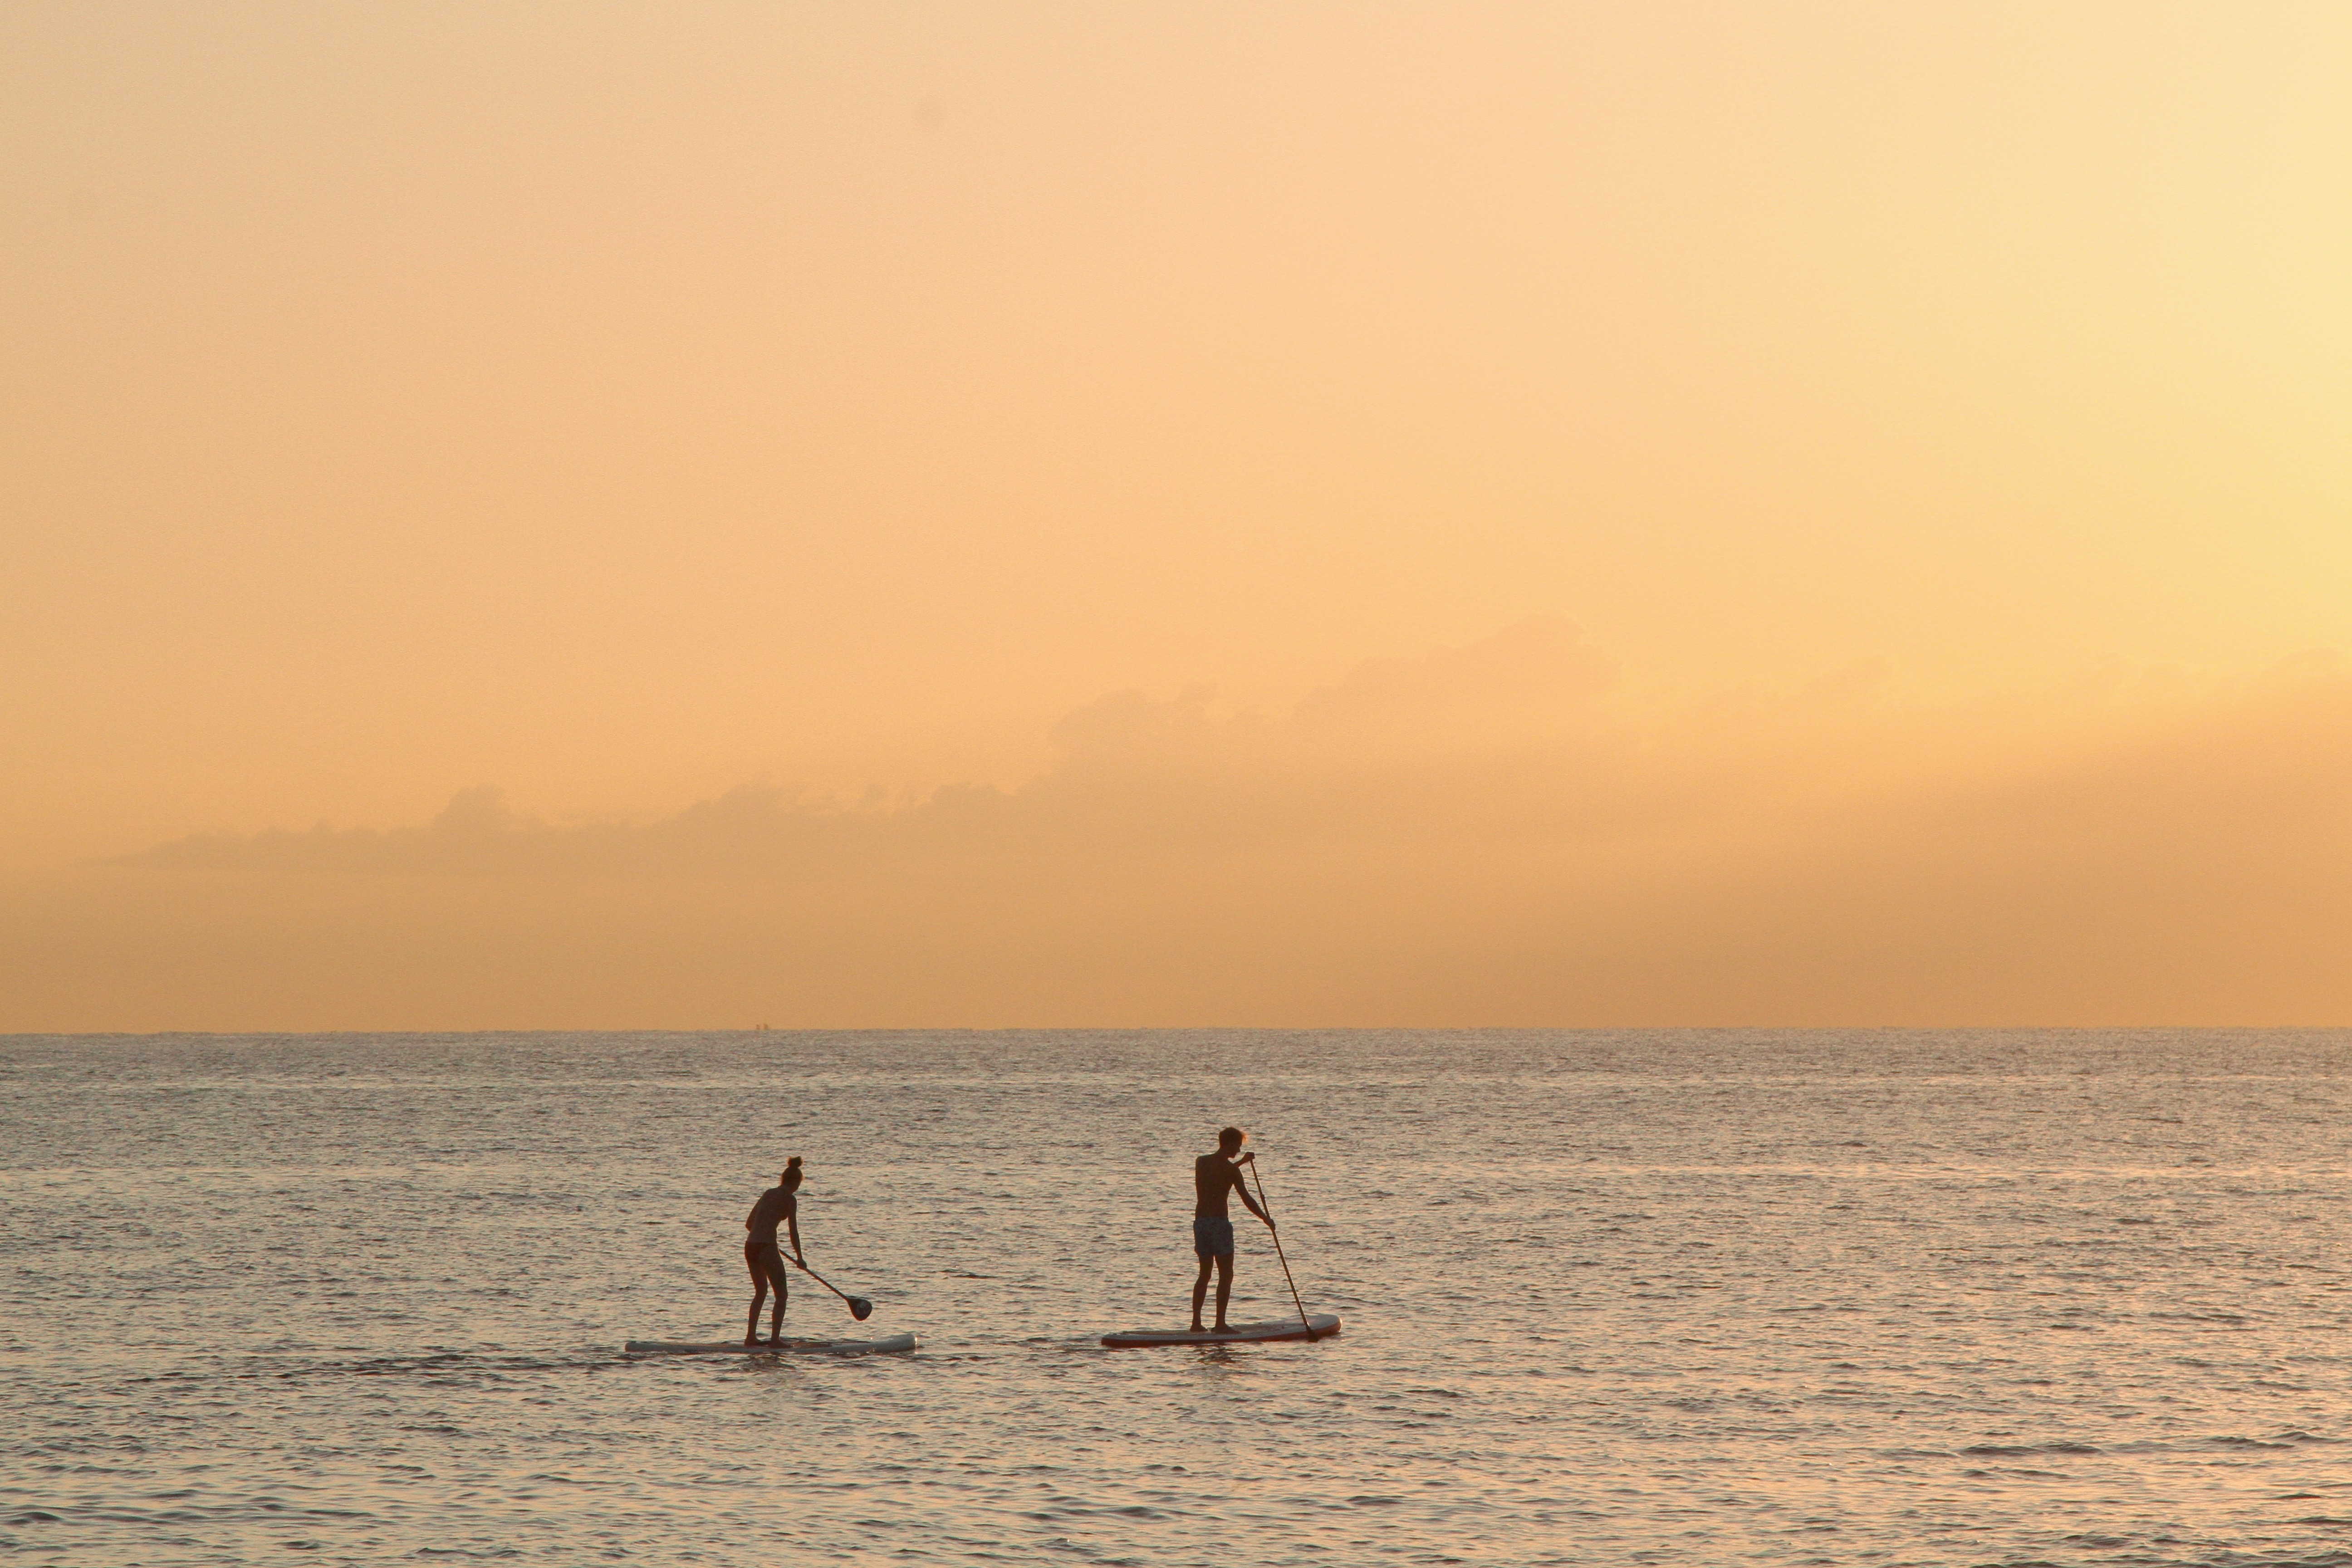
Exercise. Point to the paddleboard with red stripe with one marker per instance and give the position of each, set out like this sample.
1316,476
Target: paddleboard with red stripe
1317,1326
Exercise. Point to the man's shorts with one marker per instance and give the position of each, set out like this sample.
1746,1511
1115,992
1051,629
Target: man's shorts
1213,1235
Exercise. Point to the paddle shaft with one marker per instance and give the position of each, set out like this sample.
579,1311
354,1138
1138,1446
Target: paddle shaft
821,1279
1278,1253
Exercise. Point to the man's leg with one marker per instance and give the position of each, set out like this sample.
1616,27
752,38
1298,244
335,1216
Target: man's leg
1199,1293
1225,1286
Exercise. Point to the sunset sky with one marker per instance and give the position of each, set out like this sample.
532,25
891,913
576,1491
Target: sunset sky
680,516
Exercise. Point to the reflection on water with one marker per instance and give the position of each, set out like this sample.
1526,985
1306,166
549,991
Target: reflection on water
1609,1297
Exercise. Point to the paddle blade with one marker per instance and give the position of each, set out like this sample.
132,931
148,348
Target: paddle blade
860,1308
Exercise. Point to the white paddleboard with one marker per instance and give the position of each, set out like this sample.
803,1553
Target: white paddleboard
790,1347
1318,1325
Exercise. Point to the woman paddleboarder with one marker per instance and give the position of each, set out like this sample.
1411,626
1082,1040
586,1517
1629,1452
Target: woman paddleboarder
777,1205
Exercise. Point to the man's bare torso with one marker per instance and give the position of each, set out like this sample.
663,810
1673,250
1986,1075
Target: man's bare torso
1213,1176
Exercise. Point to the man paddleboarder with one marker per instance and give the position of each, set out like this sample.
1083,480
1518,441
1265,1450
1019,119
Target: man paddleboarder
777,1205
1213,1176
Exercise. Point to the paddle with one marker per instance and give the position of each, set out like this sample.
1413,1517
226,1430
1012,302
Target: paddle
1278,1252
859,1307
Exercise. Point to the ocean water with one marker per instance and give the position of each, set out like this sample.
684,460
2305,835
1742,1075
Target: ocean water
1720,1297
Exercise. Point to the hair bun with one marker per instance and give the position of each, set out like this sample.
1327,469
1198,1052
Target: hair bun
792,1162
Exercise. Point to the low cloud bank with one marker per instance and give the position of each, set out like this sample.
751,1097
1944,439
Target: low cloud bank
1502,833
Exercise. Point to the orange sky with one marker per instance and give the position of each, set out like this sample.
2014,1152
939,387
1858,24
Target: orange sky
1603,513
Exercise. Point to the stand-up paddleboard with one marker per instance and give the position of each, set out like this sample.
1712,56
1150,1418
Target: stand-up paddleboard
790,1347
1317,1326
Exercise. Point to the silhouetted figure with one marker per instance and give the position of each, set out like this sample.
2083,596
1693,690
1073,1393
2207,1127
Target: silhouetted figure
776,1206
1214,1175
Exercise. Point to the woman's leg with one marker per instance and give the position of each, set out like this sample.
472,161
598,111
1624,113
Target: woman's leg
776,1277
759,1295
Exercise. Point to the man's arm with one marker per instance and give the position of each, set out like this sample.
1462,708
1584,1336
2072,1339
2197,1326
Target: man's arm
1241,1191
